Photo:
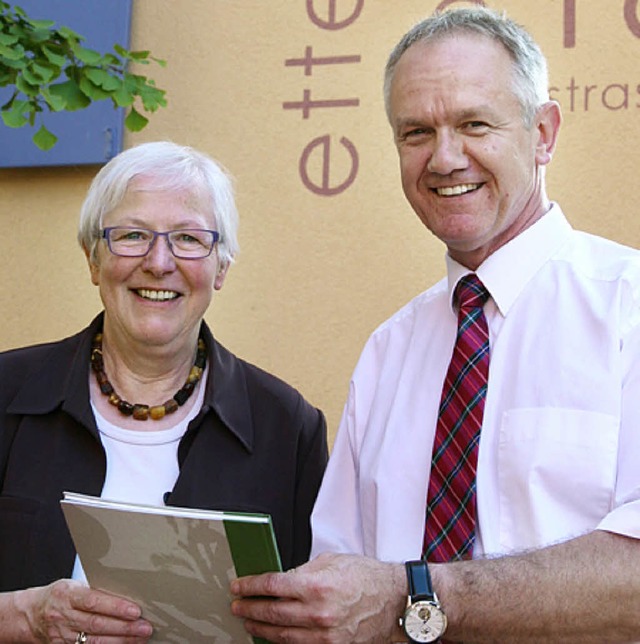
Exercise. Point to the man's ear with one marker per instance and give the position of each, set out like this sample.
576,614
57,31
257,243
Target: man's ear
93,267
547,123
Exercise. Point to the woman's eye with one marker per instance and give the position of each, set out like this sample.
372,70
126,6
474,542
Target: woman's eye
130,235
186,238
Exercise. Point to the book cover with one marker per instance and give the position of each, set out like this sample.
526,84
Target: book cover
176,563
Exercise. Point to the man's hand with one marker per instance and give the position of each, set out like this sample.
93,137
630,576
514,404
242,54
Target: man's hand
334,598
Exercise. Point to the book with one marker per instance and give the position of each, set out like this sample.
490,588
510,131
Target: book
176,563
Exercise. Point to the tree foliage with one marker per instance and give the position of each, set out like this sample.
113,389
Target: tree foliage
49,69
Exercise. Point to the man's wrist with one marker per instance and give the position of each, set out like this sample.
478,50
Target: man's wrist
424,620
400,594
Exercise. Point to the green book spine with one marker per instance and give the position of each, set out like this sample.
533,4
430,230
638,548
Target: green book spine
253,549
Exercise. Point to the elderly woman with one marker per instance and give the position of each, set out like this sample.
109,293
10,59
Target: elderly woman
143,405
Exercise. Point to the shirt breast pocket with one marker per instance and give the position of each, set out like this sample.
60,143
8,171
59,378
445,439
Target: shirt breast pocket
556,472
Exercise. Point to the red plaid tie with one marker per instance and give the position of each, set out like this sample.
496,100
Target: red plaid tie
451,503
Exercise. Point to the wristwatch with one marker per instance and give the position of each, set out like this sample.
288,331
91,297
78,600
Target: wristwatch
424,619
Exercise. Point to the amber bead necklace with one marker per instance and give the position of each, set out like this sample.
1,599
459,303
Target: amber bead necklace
139,411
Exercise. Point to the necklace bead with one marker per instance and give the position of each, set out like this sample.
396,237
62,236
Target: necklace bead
140,411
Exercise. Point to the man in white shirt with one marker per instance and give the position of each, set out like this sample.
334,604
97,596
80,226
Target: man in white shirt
556,556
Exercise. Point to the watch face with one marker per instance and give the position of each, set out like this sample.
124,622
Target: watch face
424,622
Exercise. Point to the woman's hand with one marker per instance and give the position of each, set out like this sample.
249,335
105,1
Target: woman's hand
62,610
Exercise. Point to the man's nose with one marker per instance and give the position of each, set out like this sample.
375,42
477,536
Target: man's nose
448,154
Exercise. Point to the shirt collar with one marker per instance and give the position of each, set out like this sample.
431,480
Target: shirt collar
227,392
507,271
62,381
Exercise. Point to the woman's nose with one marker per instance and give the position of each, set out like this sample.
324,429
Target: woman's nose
159,259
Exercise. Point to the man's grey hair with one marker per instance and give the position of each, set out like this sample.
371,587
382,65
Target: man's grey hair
531,76
172,167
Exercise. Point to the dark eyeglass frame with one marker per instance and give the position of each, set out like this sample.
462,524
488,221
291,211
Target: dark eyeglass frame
106,234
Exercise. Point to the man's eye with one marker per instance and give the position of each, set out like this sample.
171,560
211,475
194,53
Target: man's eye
475,125
415,133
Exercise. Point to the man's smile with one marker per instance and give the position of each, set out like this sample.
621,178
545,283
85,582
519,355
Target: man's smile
456,191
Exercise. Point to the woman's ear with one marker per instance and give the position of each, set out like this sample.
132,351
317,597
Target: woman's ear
223,267
94,269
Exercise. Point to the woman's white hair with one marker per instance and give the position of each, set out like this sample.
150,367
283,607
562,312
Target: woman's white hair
172,167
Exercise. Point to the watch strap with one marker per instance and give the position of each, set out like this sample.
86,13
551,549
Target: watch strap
419,579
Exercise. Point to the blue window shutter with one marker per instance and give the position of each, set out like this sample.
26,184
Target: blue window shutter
89,136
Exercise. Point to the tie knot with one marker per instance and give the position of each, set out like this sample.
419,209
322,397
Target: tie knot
470,292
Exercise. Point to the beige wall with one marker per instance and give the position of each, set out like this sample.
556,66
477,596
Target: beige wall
317,273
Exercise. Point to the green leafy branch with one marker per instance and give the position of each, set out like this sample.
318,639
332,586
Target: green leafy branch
50,69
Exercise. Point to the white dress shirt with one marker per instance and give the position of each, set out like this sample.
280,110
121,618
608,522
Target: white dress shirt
559,450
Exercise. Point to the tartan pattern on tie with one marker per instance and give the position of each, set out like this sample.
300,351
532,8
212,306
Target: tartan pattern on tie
451,503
